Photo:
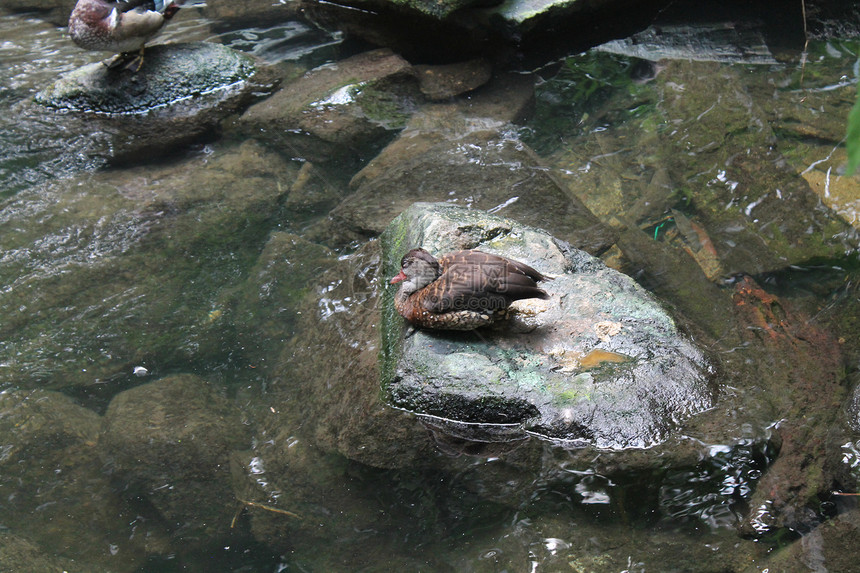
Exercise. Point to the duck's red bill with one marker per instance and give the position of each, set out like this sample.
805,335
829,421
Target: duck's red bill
400,277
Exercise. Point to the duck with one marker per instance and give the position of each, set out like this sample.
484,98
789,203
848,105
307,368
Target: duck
461,290
120,27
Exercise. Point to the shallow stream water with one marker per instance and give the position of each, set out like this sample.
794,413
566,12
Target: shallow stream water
114,276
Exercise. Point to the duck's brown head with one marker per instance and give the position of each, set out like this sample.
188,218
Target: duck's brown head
418,269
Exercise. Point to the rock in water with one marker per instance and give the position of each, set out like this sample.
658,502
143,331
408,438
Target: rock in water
174,74
182,93
600,363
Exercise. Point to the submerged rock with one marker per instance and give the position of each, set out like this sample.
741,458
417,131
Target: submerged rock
150,258
715,185
600,363
55,11
177,432
801,368
336,111
709,42
443,82
181,93
266,303
21,554
54,490
324,382
484,170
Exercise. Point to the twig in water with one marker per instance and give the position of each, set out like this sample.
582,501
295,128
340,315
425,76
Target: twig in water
246,503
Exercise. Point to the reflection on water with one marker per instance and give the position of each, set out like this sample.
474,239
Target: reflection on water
716,491
117,277
289,41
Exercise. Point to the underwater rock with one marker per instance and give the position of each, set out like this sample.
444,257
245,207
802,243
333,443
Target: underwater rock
482,170
508,98
443,82
55,11
263,12
268,302
822,549
673,275
334,112
150,259
20,554
435,9
324,382
710,42
52,484
725,193
800,366
854,408
176,432
298,496
313,191
465,151
600,363
181,94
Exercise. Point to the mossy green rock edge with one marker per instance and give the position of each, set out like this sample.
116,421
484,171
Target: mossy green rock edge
172,76
525,375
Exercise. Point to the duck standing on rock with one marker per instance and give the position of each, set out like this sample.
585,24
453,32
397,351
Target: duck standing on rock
121,27
462,290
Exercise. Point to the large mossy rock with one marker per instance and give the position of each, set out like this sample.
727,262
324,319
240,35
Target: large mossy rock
600,363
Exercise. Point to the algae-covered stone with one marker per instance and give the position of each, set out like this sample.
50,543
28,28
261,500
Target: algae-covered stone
601,362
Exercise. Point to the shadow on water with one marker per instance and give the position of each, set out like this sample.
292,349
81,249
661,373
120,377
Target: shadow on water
206,300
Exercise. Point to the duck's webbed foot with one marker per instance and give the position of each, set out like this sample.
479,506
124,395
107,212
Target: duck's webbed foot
131,61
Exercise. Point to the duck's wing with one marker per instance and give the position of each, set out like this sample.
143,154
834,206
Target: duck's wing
166,7
139,24
474,280
495,263
144,5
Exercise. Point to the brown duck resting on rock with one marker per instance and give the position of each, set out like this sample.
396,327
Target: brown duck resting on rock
461,290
